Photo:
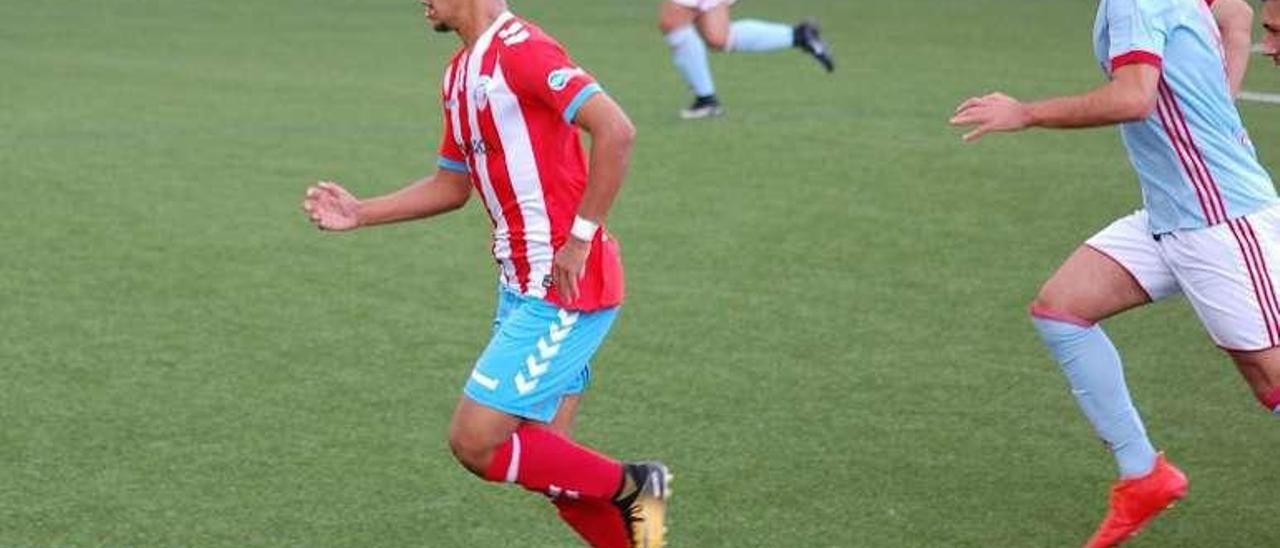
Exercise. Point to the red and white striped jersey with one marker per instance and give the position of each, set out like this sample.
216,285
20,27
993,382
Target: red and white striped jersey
509,105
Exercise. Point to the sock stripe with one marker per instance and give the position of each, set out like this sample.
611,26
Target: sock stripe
1272,401
513,468
1045,313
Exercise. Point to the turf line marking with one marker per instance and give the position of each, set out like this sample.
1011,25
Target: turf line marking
1272,98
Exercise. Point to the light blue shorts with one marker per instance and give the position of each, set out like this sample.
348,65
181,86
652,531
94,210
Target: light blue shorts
539,354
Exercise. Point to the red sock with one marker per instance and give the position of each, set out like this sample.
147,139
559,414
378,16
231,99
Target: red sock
546,462
597,522
1272,401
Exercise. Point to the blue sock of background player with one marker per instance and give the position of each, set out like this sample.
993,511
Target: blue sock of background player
689,51
689,54
691,28
759,36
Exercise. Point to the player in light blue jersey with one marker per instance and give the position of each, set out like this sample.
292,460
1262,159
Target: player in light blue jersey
1209,227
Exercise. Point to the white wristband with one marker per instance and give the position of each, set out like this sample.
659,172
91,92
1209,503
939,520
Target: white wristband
584,229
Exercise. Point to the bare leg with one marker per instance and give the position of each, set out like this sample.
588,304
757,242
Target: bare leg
688,53
1261,370
713,25
672,16
1090,286
476,431
566,415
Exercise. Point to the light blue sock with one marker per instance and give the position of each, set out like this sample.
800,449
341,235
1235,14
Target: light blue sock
757,36
689,54
1093,368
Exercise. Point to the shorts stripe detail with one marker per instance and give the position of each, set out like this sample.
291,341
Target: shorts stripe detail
513,468
1246,252
1258,277
1264,272
1175,126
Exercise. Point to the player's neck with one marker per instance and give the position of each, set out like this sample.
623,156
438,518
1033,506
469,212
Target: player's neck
483,14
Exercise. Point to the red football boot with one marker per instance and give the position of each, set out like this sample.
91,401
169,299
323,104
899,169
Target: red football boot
1135,502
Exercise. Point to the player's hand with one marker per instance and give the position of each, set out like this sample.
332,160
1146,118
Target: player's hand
331,207
993,112
568,267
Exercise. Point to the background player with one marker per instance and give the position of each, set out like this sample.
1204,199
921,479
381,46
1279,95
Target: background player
1235,24
511,99
1271,24
692,25
1209,229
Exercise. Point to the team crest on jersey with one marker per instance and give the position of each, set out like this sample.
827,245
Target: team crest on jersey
560,78
481,94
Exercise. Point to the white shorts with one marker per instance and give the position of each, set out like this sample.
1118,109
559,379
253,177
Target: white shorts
1227,272
704,5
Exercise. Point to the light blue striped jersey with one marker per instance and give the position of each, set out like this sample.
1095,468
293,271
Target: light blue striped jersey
1193,156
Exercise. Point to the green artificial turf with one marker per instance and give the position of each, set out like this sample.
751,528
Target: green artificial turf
825,336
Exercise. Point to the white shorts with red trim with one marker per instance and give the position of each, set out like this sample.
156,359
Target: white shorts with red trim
1227,272
703,5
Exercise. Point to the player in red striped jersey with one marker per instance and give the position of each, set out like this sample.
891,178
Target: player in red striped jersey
513,103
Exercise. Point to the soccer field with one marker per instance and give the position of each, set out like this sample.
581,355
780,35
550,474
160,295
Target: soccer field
825,335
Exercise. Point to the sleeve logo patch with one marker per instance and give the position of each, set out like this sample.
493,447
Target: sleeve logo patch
560,78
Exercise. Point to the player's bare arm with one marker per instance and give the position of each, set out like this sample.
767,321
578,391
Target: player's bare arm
1235,23
612,135
332,207
1130,95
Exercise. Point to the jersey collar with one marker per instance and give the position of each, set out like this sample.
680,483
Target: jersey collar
487,35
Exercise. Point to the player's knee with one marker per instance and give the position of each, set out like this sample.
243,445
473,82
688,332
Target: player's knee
1045,301
672,18
1050,306
1051,301
470,451
718,42
671,24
